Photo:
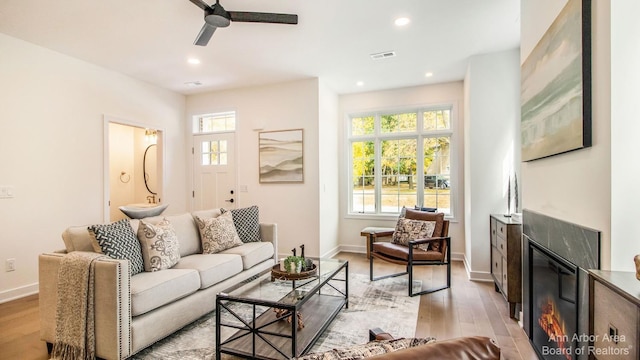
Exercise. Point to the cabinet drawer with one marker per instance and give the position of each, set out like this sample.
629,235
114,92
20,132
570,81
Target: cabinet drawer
501,229
494,228
496,265
611,311
501,245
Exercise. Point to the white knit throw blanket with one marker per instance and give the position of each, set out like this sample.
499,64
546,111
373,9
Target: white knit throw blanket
75,337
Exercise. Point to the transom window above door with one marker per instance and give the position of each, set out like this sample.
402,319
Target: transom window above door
215,122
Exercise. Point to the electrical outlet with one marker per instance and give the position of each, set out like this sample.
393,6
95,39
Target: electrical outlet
10,265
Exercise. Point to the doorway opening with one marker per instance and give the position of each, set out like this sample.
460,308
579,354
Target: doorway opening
133,166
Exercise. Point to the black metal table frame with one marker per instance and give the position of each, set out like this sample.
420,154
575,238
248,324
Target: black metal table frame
291,310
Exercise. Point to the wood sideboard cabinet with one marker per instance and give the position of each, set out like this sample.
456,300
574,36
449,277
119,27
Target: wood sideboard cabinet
614,315
506,254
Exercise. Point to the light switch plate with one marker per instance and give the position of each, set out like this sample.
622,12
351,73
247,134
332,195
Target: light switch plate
6,192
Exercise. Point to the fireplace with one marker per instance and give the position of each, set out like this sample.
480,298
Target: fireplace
556,255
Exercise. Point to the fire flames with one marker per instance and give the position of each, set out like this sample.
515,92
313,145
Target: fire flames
550,322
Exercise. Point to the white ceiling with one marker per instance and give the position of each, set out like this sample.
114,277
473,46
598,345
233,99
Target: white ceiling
151,40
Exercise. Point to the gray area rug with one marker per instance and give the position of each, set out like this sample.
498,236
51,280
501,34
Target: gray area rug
383,303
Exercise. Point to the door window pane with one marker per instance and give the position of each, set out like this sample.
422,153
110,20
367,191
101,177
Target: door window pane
214,152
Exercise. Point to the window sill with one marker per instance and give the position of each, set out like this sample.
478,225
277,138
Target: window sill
387,217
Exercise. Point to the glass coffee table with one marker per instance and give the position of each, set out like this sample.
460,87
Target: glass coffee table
276,318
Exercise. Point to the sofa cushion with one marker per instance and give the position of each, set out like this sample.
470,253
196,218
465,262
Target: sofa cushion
77,238
159,243
150,290
247,222
212,268
369,349
118,241
186,232
252,253
217,233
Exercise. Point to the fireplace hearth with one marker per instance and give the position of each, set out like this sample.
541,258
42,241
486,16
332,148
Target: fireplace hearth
556,255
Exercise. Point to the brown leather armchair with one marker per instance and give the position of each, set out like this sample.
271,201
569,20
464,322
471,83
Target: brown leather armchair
432,250
463,348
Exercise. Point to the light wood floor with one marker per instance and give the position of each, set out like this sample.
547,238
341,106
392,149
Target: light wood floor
467,308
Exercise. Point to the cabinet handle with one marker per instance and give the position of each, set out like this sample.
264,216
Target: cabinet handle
501,247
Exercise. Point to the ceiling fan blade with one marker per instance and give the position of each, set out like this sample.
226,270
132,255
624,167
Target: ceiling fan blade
205,34
201,4
243,16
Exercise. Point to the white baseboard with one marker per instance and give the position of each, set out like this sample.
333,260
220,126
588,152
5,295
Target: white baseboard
19,292
476,275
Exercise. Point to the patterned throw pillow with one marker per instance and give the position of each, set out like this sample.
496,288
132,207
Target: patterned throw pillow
217,234
117,240
369,349
408,229
247,222
160,248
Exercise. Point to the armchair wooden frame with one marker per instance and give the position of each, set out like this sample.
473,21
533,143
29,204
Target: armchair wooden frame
410,262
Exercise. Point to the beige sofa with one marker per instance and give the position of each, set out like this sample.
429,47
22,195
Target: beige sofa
133,312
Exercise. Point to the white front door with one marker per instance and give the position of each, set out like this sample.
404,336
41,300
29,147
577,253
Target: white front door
214,171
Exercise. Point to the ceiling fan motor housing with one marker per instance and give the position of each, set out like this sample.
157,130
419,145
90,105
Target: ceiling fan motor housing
217,16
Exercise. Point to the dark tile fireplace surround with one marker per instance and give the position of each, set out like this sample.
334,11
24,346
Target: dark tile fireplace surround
555,299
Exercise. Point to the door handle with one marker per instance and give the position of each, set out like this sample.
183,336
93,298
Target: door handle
229,200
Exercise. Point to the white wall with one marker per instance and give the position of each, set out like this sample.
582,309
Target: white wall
625,129
328,130
576,186
446,93
294,207
492,148
51,149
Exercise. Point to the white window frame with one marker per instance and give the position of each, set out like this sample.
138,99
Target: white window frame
420,135
195,122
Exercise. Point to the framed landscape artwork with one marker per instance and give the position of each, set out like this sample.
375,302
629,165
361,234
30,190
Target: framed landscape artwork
281,156
556,86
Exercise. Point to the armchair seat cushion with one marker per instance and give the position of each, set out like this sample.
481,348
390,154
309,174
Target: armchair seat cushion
401,252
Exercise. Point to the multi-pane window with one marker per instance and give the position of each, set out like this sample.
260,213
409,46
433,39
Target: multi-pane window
214,152
217,122
401,159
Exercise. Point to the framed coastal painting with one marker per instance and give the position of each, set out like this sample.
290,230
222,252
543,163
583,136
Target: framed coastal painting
556,86
281,156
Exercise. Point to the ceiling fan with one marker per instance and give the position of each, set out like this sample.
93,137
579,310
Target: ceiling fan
215,16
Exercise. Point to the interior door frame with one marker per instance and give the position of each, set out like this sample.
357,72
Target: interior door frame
108,119
193,168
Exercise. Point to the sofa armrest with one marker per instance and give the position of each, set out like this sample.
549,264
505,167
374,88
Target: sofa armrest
269,232
475,347
112,304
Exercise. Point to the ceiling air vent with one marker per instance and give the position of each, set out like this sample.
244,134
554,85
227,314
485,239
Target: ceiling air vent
383,55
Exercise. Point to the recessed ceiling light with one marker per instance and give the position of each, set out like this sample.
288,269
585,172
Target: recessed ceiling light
360,83
193,83
193,61
403,21
429,74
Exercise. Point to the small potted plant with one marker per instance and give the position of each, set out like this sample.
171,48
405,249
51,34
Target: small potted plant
293,264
